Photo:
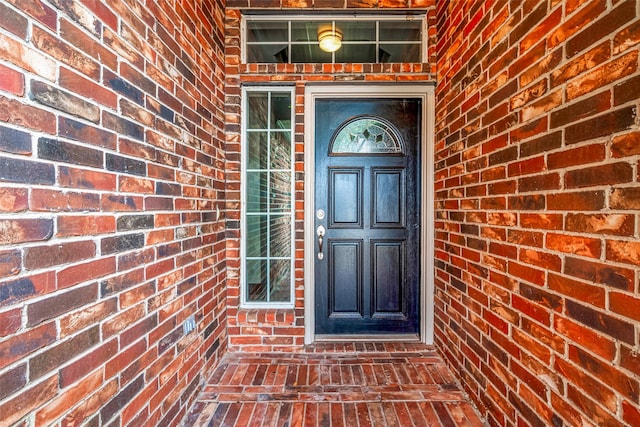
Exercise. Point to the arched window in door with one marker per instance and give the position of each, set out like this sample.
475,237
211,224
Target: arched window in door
367,135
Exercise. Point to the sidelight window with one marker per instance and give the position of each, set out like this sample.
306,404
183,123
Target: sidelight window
267,234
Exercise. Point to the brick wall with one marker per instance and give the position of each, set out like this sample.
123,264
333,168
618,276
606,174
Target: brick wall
538,201
111,180
283,330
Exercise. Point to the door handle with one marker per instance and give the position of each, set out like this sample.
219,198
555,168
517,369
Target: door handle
320,232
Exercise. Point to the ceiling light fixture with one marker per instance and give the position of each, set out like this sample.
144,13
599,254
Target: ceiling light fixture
329,38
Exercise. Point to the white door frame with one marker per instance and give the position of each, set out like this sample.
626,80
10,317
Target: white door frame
425,92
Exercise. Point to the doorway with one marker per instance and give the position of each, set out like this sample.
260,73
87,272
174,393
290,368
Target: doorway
369,213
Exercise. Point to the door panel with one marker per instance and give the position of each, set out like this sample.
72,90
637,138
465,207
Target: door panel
367,277
345,189
388,190
345,287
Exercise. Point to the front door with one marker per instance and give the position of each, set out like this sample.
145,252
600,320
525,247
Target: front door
367,218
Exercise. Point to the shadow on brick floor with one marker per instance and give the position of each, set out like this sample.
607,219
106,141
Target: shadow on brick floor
355,384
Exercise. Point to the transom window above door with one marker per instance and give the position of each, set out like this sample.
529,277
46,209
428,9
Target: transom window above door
323,39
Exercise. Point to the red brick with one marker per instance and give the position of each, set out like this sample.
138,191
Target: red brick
620,225
86,87
623,252
606,274
38,10
598,29
73,372
583,246
586,337
584,381
608,374
579,65
87,44
609,174
87,316
16,113
578,156
45,200
542,221
13,410
630,413
48,256
601,321
603,75
25,230
583,201
626,145
85,272
10,322
13,199
527,167
22,345
13,22
575,289
11,81
85,225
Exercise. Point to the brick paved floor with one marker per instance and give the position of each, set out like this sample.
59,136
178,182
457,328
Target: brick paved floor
382,384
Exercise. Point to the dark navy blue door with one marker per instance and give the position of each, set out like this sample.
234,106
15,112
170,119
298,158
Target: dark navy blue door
367,216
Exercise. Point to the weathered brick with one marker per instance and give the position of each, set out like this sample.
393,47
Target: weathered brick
79,131
10,263
624,252
601,321
70,374
597,30
84,42
580,201
14,199
609,174
15,141
126,165
14,231
577,156
110,245
62,201
12,410
602,76
585,246
17,113
23,344
13,22
57,150
580,64
84,225
581,110
11,80
122,126
53,306
606,274
64,101
47,256
120,283
135,222
51,359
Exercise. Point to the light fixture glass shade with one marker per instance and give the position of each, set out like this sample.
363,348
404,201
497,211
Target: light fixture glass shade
329,38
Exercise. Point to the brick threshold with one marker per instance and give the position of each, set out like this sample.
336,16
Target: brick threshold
335,384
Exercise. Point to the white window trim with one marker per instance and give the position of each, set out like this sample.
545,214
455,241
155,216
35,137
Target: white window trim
313,17
243,199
